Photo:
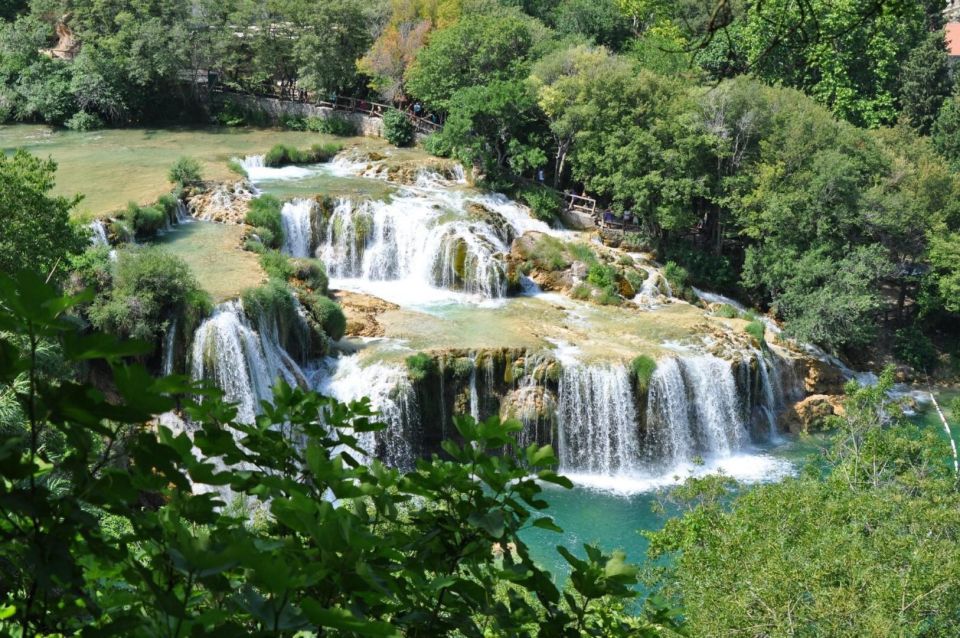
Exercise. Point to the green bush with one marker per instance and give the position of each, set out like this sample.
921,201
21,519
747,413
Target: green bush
121,231
544,203
549,253
146,220
293,122
312,273
168,204
277,265
275,302
642,369
184,171
237,168
582,252
608,296
327,313
634,278
264,212
582,291
420,366
677,275
602,275
436,144
727,311
637,242
757,330
150,288
397,128
283,154
84,121
915,348
332,125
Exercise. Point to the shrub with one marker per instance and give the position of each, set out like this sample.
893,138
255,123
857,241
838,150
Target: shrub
293,122
636,242
677,275
602,275
727,311
168,204
312,273
146,220
397,128
121,231
544,203
282,154
84,121
608,296
420,366
435,144
150,288
915,348
635,279
757,330
582,291
332,125
642,369
276,265
236,167
582,252
185,170
550,253
275,304
328,315
264,212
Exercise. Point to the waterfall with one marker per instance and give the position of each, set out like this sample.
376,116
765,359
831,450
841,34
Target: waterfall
474,395
183,215
297,235
412,238
98,235
169,347
240,360
693,409
598,427
391,395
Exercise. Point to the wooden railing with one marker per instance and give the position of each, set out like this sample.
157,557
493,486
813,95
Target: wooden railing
581,203
376,109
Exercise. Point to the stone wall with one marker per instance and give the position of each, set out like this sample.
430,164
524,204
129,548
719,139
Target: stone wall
276,108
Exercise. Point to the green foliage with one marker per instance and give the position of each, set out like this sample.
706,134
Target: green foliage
273,308
145,220
121,231
327,314
582,252
602,275
915,348
236,167
150,288
264,212
727,311
946,131
421,366
883,495
608,296
184,171
676,275
332,125
397,128
757,330
84,121
310,273
642,368
550,254
282,154
544,203
926,82
484,49
35,227
277,265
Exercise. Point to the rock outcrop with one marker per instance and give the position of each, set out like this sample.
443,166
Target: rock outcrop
222,202
812,414
361,312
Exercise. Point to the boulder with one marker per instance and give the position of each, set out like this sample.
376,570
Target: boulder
822,378
811,414
361,312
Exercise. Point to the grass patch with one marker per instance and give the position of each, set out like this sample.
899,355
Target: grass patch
420,366
642,369
757,330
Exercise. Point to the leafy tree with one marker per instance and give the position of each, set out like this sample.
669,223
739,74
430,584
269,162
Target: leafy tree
925,82
866,549
490,125
271,528
471,53
600,21
946,131
35,227
397,128
329,37
150,288
185,170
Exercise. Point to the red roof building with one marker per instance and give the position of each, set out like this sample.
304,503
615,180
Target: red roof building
953,39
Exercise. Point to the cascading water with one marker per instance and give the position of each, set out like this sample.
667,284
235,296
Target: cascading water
693,409
98,236
240,360
411,238
297,236
390,393
169,346
597,420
